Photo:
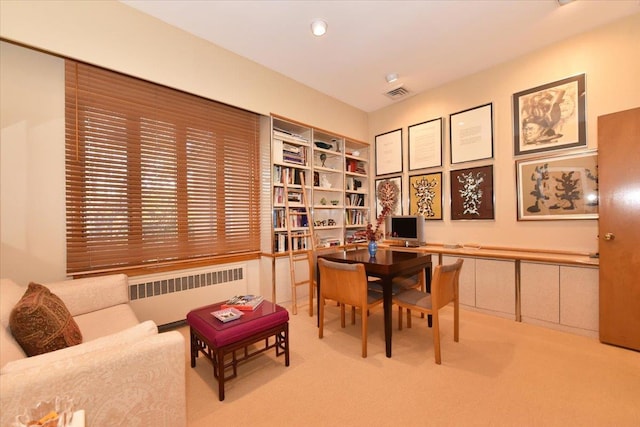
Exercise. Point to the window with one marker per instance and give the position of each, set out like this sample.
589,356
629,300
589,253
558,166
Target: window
155,176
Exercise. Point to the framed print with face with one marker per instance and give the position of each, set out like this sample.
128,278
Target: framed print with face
425,195
550,117
561,187
425,144
471,134
389,193
389,152
472,193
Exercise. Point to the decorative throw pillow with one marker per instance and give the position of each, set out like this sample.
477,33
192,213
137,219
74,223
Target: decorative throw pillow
41,323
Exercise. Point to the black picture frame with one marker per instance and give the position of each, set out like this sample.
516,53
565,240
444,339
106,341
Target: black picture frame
426,195
389,191
425,144
471,134
388,155
472,193
550,117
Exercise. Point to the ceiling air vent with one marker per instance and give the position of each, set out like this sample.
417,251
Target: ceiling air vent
397,93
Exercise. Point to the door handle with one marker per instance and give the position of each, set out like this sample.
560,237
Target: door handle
609,236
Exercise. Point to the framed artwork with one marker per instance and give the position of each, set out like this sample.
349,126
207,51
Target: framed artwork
550,117
389,193
425,195
472,193
561,187
389,152
471,134
425,144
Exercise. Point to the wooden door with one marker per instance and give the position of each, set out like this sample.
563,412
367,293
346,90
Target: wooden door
619,227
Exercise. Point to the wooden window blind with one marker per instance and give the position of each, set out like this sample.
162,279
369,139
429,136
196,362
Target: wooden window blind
155,175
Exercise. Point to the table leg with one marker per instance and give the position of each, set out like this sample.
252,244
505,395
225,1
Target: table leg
427,273
194,347
387,303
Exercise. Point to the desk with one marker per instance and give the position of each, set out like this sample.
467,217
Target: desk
386,265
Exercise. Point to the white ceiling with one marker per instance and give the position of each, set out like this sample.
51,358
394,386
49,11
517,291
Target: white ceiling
428,43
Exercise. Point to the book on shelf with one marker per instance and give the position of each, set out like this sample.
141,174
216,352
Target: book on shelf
227,314
244,302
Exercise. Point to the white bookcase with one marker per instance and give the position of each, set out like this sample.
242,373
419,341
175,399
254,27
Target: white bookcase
336,174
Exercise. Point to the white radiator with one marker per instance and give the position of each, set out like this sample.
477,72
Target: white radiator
168,297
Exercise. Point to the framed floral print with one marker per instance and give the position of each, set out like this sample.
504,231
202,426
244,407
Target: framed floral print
425,195
389,193
472,193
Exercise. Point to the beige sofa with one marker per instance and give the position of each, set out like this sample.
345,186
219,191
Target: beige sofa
123,374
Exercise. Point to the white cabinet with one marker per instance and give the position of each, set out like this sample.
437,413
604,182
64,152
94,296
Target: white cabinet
579,297
487,284
495,289
467,280
558,296
540,291
562,295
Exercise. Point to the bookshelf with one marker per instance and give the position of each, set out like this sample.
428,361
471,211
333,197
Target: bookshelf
336,173
357,201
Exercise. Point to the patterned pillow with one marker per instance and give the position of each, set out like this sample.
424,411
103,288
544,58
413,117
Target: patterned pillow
41,323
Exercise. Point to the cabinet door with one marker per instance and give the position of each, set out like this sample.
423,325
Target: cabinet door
540,291
579,297
467,279
495,285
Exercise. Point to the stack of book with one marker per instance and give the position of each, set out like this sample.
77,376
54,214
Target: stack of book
244,302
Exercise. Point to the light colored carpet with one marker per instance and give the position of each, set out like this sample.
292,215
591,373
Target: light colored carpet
501,373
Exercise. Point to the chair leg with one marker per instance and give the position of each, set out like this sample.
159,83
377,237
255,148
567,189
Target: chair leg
364,333
399,318
321,317
408,318
353,315
456,321
342,324
436,336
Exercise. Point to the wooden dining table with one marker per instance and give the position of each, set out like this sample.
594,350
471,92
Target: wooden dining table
386,265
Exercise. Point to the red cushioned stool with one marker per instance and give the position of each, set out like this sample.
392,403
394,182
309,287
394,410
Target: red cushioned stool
216,339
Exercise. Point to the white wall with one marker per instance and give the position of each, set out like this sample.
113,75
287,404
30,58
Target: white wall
32,193
110,34
32,178
610,57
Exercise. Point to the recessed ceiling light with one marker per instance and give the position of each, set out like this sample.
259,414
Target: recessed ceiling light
391,77
318,27
563,2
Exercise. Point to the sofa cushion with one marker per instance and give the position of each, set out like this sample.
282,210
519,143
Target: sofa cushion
10,350
92,293
40,322
106,321
10,293
120,339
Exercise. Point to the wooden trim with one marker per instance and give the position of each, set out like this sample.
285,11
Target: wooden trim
511,253
133,271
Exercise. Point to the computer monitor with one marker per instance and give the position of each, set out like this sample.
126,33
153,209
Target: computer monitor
407,230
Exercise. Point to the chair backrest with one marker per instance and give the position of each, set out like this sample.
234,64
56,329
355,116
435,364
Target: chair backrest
444,286
346,283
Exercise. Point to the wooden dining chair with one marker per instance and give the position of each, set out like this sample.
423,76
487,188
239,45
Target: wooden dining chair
444,290
347,284
402,283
